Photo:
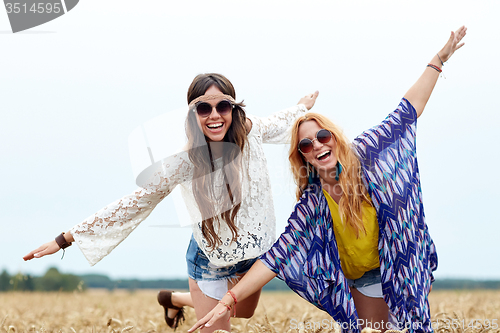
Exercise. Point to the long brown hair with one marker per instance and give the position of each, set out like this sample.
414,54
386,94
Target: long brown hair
212,208
350,179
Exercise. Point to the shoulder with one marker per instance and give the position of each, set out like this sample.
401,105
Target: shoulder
248,125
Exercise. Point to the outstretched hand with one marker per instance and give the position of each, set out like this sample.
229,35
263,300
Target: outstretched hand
309,100
453,44
218,312
47,248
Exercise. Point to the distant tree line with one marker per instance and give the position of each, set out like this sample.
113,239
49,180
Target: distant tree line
103,281
53,280
465,284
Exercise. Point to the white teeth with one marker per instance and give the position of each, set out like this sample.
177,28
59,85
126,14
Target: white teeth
214,125
322,154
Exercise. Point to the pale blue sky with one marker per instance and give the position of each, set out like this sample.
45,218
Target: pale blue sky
72,91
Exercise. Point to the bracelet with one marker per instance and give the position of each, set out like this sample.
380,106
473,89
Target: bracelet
62,242
226,305
442,64
234,299
435,67
233,296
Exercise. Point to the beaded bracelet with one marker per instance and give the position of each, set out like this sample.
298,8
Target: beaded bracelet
435,67
442,64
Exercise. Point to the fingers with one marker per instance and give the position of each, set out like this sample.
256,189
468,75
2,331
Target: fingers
210,318
42,253
309,100
195,327
31,255
453,43
460,33
47,248
202,323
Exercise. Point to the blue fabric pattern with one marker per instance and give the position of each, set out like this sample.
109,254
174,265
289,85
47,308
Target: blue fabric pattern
306,255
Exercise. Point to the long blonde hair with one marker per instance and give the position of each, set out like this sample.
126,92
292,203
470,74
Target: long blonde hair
350,179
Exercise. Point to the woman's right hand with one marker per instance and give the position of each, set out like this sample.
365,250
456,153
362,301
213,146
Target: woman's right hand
218,312
309,100
47,248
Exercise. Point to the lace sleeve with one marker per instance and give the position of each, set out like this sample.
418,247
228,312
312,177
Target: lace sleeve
100,233
274,129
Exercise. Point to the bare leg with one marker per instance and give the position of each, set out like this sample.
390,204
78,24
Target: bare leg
203,305
373,312
245,308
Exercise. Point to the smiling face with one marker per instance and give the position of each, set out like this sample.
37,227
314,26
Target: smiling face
322,156
214,126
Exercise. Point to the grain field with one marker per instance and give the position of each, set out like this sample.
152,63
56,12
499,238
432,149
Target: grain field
123,311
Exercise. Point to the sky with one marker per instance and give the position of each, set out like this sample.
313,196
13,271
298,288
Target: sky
74,89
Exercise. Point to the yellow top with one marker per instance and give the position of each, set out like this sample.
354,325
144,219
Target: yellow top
357,255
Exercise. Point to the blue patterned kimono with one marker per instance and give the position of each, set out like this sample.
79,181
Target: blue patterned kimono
306,255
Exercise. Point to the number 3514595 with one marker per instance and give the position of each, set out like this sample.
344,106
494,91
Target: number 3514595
36,8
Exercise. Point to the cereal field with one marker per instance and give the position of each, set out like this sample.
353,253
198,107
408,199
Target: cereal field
122,311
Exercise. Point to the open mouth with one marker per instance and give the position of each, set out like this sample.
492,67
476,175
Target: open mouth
215,126
324,155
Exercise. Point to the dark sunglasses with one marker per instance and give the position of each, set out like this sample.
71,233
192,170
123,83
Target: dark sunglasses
204,109
306,145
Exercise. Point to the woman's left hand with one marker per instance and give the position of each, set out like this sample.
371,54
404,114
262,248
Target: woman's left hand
309,100
453,44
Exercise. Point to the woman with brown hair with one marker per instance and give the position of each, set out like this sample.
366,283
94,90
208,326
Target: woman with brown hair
226,187
356,245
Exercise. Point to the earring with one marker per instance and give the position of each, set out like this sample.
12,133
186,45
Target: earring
339,170
310,171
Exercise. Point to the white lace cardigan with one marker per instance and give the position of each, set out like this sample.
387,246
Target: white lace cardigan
100,233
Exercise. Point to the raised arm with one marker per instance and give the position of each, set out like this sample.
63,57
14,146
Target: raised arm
101,232
274,128
419,93
256,278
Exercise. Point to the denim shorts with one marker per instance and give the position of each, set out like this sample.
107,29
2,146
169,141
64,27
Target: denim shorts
212,279
369,284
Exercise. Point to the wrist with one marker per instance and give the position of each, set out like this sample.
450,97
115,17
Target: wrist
62,241
302,106
440,58
435,61
69,237
227,299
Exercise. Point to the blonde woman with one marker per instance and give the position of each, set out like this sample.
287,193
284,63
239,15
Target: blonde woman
356,245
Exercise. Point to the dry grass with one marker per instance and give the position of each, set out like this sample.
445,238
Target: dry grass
121,311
